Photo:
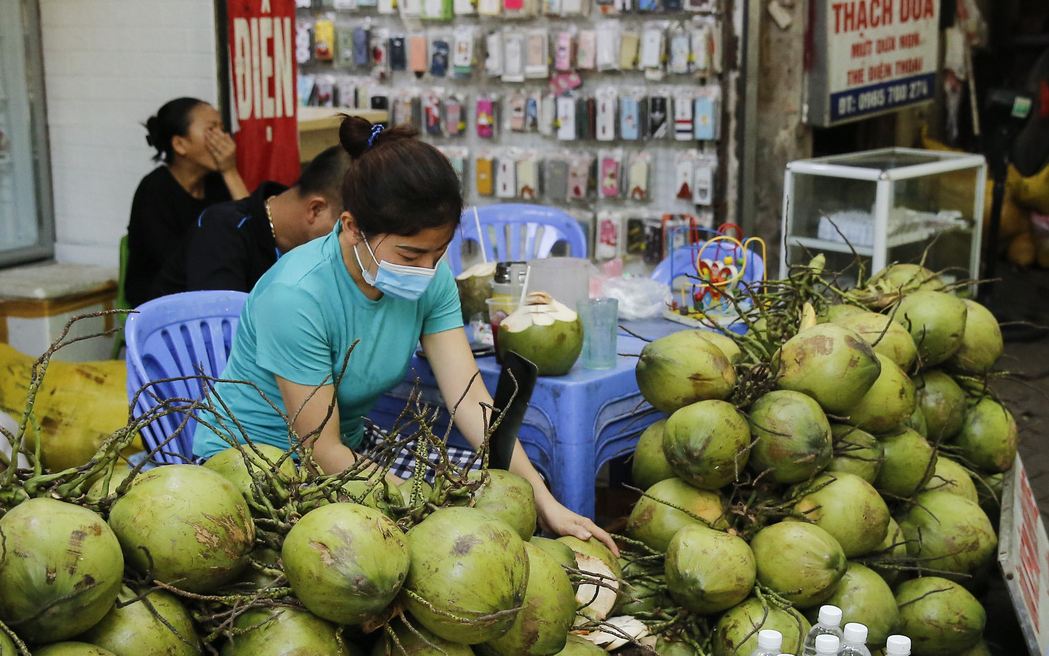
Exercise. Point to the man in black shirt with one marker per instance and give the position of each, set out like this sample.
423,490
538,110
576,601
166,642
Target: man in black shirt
232,244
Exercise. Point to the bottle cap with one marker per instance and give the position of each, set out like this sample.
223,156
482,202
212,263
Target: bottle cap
855,632
769,640
830,615
827,644
898,645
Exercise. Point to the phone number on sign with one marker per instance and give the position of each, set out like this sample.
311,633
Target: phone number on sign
881,97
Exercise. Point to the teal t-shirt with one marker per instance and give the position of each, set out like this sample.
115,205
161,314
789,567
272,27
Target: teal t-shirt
298,323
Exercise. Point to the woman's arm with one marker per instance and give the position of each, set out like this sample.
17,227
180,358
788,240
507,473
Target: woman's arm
224,151
307,408
454,366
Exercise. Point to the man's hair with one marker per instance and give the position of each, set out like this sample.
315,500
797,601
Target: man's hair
324,176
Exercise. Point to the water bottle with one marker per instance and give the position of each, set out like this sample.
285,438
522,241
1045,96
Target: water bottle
827,645
855,643
898,645
769,642
828,623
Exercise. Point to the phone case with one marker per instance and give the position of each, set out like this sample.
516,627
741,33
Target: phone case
484,176
651,48
657,117
578,179
606,118
672,5
439,59
505,178
705,119
517,112
586,54
453,112
344,47
432,113
398,56
556,179
628,45
324,40
684,177
527,179
609,177
380,102
563,53
704,186
566,119
513,5
683,119
463,57
360,46
531,114
417,55
629,119
485,118
638,180
680,49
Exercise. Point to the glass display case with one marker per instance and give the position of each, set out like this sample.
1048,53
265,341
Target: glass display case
877,207
26,218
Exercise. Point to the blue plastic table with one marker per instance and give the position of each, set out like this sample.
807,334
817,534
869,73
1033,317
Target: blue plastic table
575,423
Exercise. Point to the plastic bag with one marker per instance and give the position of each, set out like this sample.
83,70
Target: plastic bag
639,298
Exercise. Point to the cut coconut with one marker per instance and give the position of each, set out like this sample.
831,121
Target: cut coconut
480,269
539,309
544,331
596,601
621,630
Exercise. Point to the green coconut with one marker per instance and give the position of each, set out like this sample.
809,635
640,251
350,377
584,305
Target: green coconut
576,646
135,630
981,342
185,524
100,489
736,633
559,551
376,492
541,627
892,551
855,452
909,463
595,549
939,616
988,438
799,561
866,598
669,506
683,368
837,312
283,632
508,497
791,436
936,322
232,465
981,649
707,444
475,287
847,507
403,639
952,477
942,403
345,562
906,278
60,569
407,488
725,344
467,569
830,363
645,594
888,403
949,533
649,464
544,331
709,571
884,335
916,421
71,649
265,557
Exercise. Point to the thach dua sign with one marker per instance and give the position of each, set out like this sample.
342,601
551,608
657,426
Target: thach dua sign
870,57
1023,554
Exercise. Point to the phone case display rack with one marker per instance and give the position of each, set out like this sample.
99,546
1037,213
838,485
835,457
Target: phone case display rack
610,109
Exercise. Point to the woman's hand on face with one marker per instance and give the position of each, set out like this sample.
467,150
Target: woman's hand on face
222,149
555,518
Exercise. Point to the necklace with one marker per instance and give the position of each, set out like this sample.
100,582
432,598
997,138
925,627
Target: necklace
269,215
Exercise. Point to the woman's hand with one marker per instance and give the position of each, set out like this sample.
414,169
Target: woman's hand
222,149
555,518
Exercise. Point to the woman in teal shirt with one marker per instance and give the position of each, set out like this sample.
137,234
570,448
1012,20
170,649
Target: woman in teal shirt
377,278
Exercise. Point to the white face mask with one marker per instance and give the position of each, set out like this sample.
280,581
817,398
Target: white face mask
400,280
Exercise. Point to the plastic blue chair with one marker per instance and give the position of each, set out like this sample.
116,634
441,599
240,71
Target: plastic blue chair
181,335
682,262
516,231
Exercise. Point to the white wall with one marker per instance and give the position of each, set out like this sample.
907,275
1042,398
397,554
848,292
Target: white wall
108,66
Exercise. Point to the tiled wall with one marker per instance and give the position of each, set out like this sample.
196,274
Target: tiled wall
108,67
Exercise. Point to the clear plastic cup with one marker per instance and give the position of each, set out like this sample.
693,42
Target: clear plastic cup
600,317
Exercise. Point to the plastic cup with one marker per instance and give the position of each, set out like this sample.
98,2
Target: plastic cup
498,309
600,317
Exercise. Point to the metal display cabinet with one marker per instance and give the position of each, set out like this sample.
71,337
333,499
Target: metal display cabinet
885,206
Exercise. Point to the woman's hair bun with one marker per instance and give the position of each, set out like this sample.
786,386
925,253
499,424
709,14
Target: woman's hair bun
354,133
151,131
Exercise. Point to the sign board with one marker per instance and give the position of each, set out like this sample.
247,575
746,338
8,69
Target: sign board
1023,554
869,57
262,63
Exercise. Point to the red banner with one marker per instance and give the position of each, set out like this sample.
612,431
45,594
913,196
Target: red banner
262,54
